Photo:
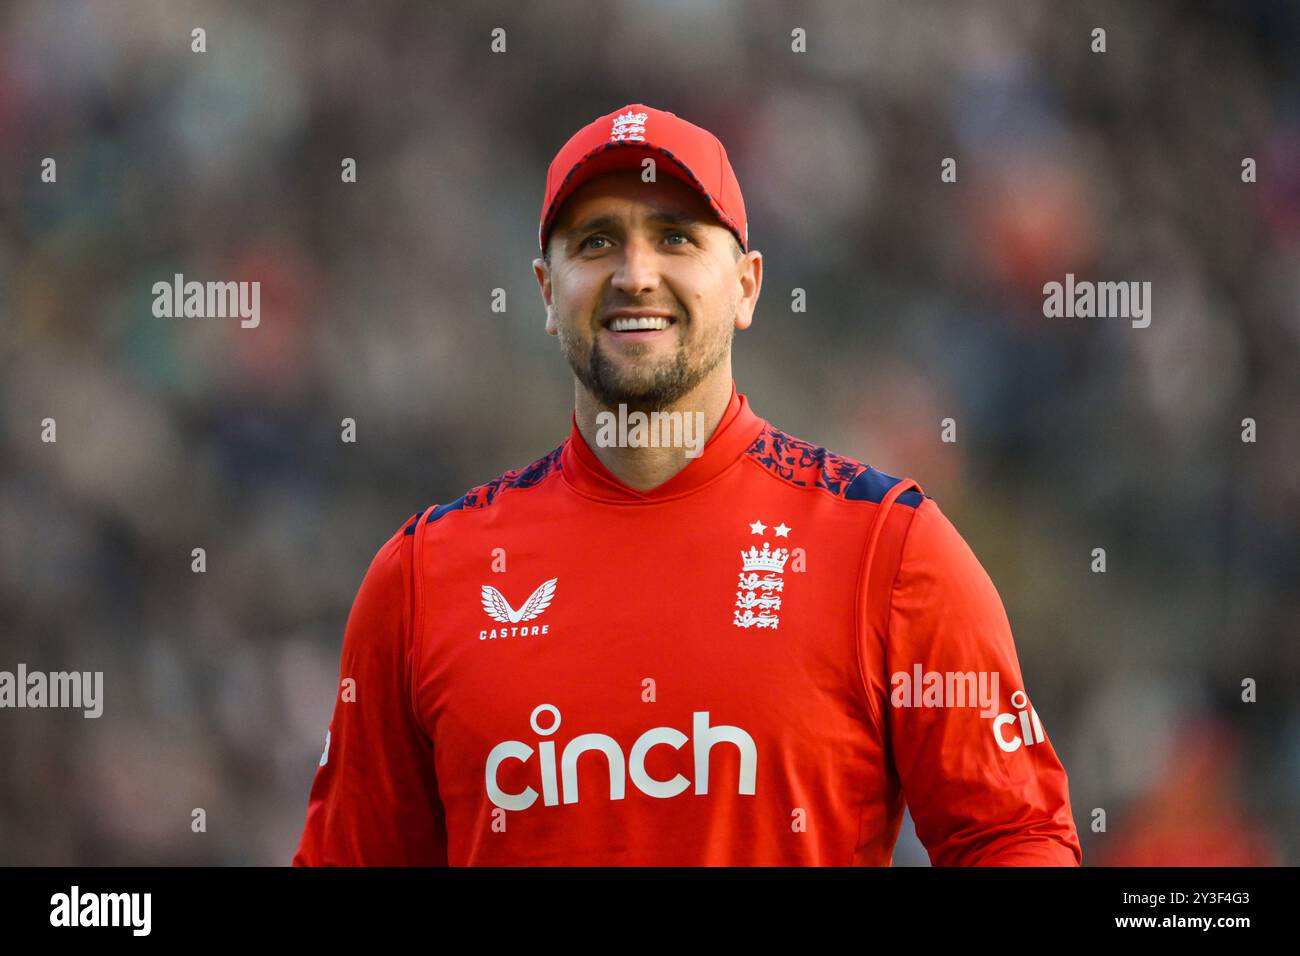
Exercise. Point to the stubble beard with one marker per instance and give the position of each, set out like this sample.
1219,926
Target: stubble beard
641,387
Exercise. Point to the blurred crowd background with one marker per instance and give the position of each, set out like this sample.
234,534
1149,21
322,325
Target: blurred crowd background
924,302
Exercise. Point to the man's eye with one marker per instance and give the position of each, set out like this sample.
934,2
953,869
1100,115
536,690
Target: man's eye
583,244
681,234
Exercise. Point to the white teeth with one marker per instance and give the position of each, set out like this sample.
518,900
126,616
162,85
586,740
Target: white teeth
639,324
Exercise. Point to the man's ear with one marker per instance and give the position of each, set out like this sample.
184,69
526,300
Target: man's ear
542,269
749,278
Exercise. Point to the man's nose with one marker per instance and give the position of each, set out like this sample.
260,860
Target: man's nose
638,268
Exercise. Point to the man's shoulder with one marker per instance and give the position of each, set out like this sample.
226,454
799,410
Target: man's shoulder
807,465
487,495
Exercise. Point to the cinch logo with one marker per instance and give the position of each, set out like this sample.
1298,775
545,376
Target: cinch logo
705,737
1030,725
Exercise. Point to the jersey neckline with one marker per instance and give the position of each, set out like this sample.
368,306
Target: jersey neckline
736,431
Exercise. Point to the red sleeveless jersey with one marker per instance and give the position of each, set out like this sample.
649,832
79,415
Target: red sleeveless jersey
758,662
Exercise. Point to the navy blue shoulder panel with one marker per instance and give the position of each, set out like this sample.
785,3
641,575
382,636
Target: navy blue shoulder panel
437,513
807,465
482,496
873,485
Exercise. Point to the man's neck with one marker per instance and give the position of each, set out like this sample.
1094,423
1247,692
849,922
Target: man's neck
644,468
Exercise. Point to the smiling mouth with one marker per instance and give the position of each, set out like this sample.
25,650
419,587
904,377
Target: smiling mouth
645,323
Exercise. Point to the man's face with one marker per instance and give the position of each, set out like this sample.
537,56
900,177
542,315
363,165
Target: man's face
655,249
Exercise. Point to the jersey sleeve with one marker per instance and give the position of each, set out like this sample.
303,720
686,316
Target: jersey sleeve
374,800
975,795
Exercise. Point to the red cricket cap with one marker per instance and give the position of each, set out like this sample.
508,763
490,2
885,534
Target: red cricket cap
623,138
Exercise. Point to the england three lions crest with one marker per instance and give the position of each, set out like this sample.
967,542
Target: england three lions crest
762,582
629,126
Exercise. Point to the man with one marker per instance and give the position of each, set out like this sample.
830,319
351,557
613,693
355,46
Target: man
640,651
